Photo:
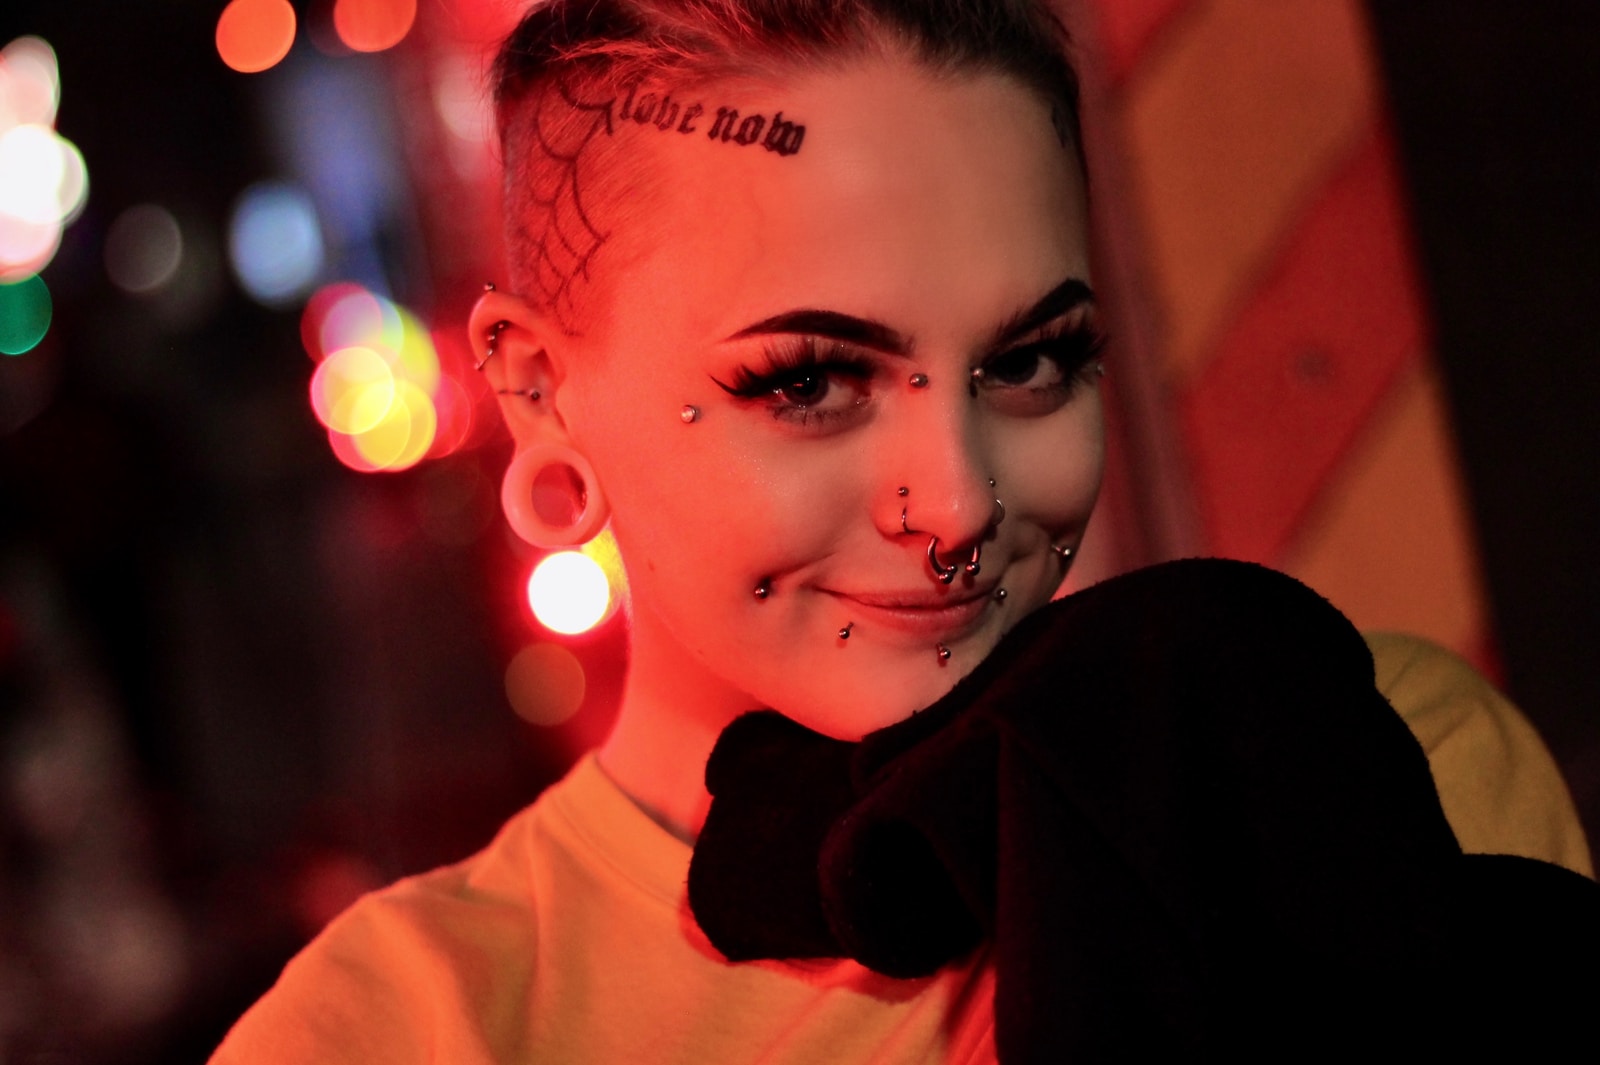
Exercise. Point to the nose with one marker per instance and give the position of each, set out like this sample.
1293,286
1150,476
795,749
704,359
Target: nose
942,487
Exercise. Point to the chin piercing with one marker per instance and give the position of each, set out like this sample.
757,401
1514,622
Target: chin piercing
844,633
690,414
902,492
943,573
944,653
999,595
764,588
493,342
919,380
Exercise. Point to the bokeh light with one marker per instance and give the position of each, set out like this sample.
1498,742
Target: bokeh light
373,25
275,243
569,593
25,310
378,387
144,248
43,180
254,35
545,684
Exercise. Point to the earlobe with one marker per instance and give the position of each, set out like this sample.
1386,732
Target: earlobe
551,497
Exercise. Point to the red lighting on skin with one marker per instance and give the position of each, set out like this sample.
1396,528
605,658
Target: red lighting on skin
254,35
373,25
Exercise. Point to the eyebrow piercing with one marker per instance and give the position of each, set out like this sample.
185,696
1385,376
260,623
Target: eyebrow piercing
943,573
690,414
944,653
844,633
763,588
919,380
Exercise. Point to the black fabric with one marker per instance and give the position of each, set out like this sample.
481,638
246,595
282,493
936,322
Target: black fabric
1189,823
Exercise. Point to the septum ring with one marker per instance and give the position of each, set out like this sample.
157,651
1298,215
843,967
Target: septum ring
945,573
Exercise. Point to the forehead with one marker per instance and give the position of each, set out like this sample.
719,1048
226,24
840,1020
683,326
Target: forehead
931,202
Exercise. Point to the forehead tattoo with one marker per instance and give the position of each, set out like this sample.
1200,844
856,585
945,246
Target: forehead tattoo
558,224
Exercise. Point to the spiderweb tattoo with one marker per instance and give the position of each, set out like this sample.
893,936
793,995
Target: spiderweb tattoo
558,226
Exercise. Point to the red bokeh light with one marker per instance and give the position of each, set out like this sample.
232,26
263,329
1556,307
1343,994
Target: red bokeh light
253,35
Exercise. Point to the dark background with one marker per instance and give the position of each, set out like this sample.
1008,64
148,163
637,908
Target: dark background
240,683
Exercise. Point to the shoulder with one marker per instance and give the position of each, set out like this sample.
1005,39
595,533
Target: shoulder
1500,789
406,970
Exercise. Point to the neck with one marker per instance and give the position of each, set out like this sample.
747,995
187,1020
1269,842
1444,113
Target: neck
671,715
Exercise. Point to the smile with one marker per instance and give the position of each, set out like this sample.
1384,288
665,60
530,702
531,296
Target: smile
922,614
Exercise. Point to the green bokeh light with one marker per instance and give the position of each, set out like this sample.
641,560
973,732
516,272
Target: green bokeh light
24,315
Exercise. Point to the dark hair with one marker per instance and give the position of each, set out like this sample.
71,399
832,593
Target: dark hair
567,62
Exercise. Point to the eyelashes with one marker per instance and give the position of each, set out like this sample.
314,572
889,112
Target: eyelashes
819,382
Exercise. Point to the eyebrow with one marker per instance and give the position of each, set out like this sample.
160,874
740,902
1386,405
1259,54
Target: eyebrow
835,325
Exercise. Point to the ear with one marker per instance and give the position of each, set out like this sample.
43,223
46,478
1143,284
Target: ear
523,354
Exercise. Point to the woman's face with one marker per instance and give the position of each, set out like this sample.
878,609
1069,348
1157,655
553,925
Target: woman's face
927,227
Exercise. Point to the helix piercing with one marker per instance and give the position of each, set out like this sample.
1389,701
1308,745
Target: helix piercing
690,414
533,394
944,653
763,588
945,574
919,380
972,566
844,633
493,342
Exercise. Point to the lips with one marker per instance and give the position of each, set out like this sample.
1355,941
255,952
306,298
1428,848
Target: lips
924,614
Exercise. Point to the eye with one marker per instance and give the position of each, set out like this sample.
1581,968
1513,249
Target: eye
1043,375
1024,367
807,381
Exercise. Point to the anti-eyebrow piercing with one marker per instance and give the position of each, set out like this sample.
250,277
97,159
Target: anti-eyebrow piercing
975,380
763,588
919,380
844,633
943,652
943,573
690,414
492,339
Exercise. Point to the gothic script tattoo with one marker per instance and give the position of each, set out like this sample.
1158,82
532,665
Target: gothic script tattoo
558,225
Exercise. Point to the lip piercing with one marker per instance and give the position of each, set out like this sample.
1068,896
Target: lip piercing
493,339
844,633
764,588
972,563
919,380
690,414
999,595
944,653
944,573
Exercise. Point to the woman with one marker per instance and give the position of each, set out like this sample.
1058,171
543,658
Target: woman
800,304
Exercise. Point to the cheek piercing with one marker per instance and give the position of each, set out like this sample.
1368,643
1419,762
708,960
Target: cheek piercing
764,588
944,653
919,380
999,595
943,573
1064,552
690,414
844,633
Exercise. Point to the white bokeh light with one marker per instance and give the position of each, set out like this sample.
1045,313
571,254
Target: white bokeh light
569,593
